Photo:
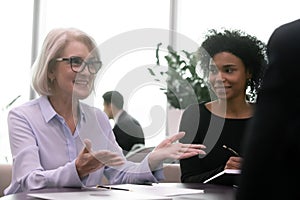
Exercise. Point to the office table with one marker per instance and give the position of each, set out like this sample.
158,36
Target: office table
211,192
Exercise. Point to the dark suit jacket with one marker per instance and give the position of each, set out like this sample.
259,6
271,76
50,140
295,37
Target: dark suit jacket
272,147
128,132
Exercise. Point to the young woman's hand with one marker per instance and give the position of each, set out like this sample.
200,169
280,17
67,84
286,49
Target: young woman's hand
234,163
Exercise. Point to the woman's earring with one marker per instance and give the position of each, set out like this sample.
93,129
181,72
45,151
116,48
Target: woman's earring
249,81
50,83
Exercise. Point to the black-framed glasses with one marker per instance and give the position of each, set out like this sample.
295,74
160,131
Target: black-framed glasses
78,64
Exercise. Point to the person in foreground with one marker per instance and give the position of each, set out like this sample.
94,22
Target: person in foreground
233,62
127,130
58,141
271,149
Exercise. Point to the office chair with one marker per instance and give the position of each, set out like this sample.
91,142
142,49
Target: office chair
5,177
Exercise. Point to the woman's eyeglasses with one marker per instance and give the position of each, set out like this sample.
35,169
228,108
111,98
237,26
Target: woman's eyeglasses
78,64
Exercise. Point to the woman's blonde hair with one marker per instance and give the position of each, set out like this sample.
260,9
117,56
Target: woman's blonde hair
54,44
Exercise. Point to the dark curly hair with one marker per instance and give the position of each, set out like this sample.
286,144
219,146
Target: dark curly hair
248,48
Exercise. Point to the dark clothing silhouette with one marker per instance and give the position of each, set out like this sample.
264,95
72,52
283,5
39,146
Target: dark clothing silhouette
272,146
128,132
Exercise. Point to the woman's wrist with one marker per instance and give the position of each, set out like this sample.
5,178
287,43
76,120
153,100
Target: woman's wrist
155,159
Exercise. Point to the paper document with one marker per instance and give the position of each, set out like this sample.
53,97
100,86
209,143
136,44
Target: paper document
96,195
157,191
226,171
161,189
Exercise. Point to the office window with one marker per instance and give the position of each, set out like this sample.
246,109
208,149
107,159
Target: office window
15,51
255,17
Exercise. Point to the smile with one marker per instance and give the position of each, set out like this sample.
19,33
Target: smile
82,82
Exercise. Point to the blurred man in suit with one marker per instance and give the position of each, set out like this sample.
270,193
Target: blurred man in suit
270,169
127,129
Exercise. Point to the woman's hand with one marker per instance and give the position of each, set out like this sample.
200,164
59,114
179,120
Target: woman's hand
88,161
234,163
167,149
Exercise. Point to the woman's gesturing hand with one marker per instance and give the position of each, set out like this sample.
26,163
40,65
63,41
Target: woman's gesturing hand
168,149
88,161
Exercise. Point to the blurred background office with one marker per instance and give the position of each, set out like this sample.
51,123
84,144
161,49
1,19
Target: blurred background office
25,23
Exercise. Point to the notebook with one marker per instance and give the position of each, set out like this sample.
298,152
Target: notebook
222,174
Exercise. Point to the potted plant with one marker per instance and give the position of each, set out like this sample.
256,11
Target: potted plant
185,86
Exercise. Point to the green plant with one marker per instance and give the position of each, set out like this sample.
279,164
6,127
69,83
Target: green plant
11,103
184,86
4,140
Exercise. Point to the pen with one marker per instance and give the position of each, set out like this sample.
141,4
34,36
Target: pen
111,188
145,183
231,150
